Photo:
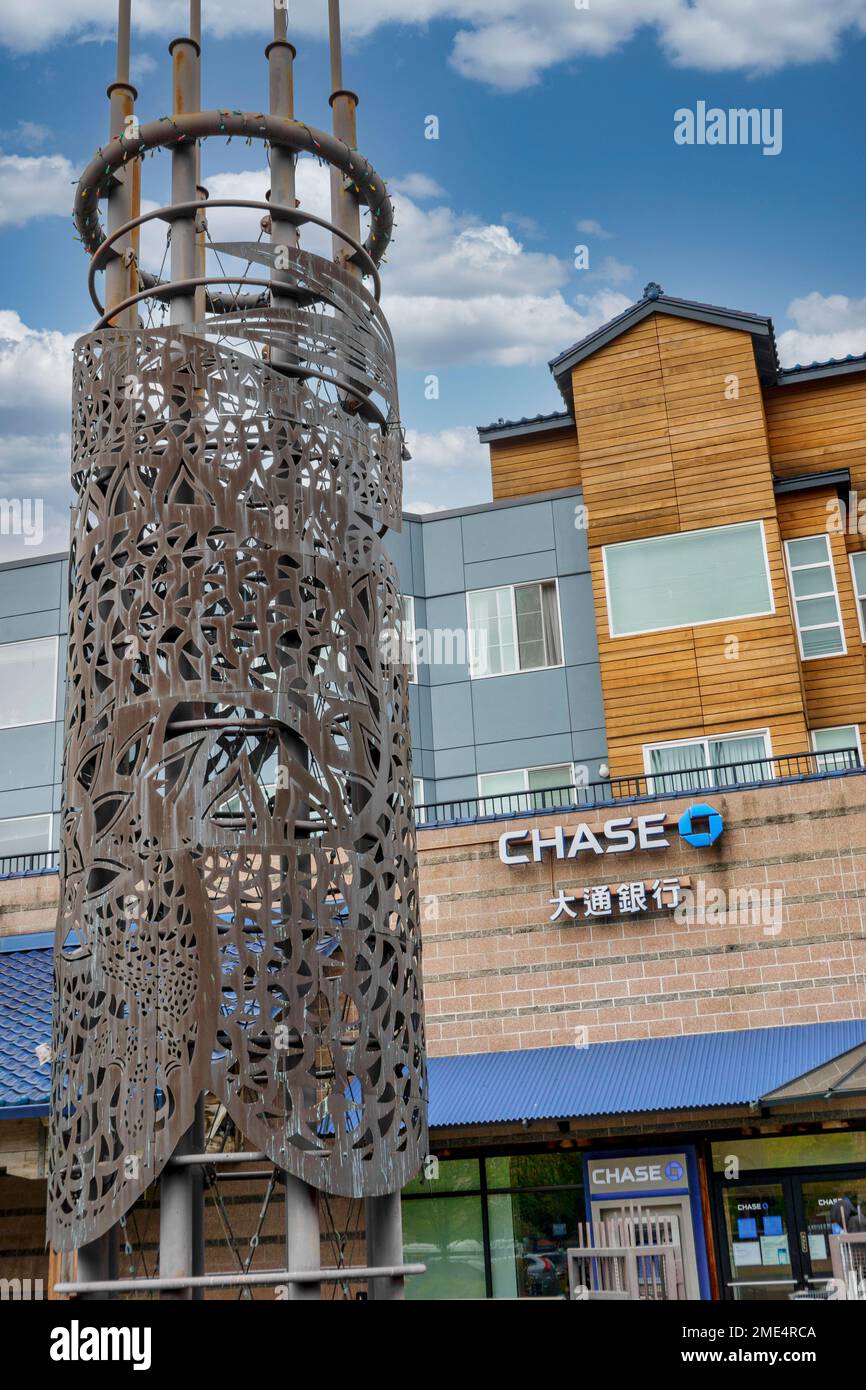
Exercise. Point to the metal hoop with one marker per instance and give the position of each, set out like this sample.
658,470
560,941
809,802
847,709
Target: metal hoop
178,210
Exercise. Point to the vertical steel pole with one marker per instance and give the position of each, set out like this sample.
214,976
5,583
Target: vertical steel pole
384,1221
121,279
97,1261
345,208
281,57
303,1240
180,1199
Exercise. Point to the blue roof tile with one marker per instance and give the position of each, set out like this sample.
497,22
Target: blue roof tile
25,1022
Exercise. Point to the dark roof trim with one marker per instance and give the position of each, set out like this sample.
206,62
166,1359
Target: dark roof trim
840,478
817,371
759,327
39,1111
515,429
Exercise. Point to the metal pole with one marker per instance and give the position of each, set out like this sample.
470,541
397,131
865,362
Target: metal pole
186,82
122,271
345,208
303,1240
385,1243
251,1279
181,1230
281,57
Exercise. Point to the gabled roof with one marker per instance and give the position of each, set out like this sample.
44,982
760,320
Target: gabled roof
655,301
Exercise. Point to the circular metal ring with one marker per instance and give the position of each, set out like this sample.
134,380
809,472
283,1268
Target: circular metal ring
176,211
293,136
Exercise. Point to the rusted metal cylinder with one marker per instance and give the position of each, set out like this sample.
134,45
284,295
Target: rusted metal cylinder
281,58
184,172
122,273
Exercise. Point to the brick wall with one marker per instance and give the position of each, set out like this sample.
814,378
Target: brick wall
499,975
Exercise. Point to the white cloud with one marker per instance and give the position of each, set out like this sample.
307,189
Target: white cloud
506,43
28,135
613,271
417,186
832,325
34,186
448,469
35,375
35,468
590,227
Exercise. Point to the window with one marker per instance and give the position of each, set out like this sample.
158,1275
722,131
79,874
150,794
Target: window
28,682
686,579
671,767
833,747
816,600
24,835
526,789
418,791
515,628
407,638
534,1207
858,574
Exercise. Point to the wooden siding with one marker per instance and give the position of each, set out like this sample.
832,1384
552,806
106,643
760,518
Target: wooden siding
819,425
664,450
541,462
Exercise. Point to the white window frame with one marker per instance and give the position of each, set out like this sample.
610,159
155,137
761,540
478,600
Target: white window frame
519,670
21,820
418,791
706,739
30,642
857,597
815,627
705,622
524,771
830,728
407,638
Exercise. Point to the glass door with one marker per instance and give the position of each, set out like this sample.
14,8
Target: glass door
761,1255
826,1206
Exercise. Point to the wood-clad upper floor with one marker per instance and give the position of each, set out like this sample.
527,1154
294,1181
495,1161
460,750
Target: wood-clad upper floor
682,421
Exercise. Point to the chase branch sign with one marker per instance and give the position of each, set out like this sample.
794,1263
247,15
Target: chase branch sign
700,825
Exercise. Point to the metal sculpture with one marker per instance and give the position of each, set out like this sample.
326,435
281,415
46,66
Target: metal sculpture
239,907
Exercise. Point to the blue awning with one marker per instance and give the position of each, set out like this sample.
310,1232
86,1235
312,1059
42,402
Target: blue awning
697,1071
26,975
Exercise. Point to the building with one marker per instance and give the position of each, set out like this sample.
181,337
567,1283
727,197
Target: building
639,693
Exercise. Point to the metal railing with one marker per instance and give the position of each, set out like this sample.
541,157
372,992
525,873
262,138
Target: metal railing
720,777
17,865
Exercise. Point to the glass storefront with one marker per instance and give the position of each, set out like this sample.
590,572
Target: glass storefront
494,1227
780,1201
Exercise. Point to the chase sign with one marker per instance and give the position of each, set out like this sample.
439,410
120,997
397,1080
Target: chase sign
701,825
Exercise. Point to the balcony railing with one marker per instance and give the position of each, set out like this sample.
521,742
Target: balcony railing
759,772
17,865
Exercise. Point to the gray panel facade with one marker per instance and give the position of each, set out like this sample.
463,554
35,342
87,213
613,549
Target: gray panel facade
461,727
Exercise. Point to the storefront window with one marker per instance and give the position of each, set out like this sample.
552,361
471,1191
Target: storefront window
533,1204
798,1151
447,1235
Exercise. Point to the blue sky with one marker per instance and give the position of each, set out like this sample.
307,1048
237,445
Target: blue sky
549,119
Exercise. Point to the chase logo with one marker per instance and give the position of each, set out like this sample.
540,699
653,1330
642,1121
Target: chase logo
674,1171
701,825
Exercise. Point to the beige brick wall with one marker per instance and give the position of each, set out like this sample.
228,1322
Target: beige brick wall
499,975
28,904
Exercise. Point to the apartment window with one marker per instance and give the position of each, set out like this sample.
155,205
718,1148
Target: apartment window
526,789
833,747
858,574
687,579
514,628
418,791
24,835
816,599
724,761
407,638
28,682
